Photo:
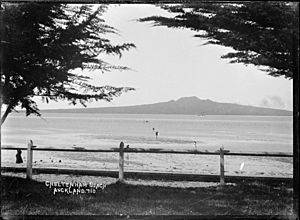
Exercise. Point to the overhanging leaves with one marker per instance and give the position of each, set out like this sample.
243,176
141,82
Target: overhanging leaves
265,34
42,45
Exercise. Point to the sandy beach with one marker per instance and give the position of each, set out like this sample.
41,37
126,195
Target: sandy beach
109,180
173,163
105,131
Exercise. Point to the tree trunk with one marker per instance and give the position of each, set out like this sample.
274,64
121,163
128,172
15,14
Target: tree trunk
5,114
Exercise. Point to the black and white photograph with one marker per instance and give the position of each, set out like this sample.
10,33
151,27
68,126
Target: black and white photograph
137,110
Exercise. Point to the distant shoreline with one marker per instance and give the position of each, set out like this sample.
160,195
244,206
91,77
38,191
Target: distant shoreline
61,111
69,111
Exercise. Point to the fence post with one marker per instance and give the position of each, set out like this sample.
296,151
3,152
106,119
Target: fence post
222,176
29,160
121,163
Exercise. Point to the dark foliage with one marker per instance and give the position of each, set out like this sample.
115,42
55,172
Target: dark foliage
265,34
42,45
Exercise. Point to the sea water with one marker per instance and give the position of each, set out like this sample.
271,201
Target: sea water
101,131
177,132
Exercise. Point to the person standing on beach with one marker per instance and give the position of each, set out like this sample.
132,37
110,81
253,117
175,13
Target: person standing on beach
156,134
19,157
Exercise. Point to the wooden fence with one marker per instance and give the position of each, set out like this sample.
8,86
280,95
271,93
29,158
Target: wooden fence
30,148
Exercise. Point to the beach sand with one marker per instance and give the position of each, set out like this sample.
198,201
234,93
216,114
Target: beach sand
109,180
172,163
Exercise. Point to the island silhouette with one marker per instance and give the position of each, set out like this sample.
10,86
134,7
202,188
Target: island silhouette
184,106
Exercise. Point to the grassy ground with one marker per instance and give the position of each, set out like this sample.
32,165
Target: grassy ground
25,197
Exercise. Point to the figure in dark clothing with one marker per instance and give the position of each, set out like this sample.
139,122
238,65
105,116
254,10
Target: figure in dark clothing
19,157
156,134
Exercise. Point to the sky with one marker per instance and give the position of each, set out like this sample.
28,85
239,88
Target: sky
168,64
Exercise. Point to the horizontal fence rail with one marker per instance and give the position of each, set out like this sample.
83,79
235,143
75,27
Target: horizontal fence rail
167,176
121,150
156,151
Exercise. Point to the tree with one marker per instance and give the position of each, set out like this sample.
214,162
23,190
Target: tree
42,45
265,34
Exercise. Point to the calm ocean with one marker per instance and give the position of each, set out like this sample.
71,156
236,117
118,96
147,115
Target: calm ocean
235,133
